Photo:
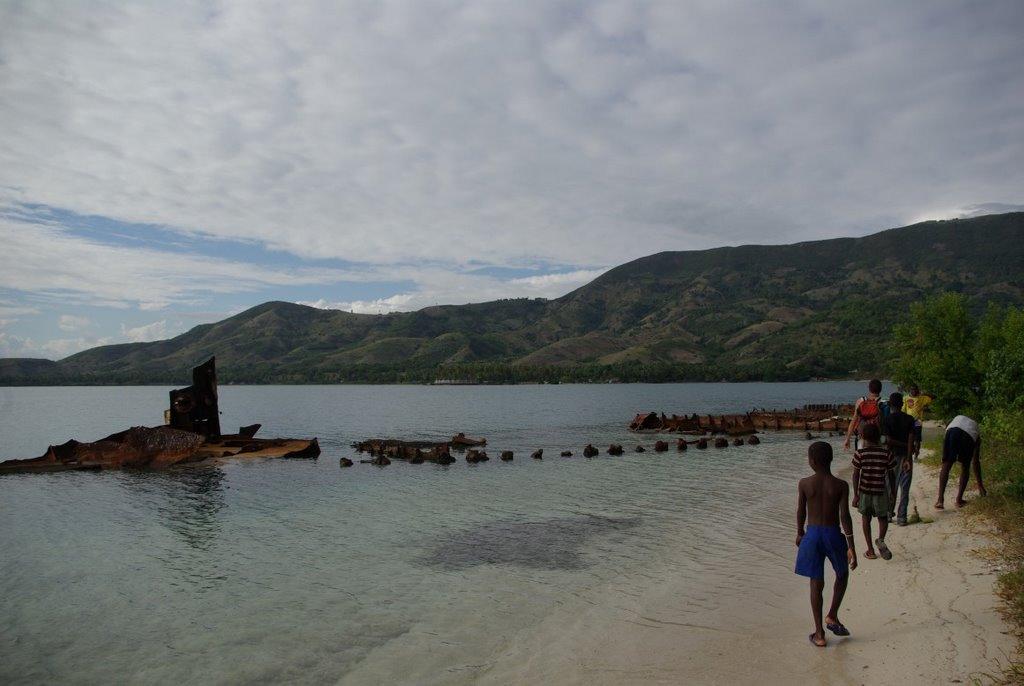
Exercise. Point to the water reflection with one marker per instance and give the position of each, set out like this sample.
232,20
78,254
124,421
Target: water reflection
555,543
188,503
185,501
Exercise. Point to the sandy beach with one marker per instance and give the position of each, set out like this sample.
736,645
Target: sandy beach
929,615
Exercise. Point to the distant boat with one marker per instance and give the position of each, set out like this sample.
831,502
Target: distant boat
454,382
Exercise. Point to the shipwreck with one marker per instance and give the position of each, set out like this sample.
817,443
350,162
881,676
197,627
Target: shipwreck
191,434
418,452
806,418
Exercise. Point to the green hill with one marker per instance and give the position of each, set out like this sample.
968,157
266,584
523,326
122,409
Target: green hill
815,309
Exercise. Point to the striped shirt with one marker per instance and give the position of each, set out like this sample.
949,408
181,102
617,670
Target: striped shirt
873,461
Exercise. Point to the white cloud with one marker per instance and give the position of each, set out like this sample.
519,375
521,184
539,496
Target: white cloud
440,287
580,133
47,260
62,347
401,302
25,346
70,322
147,332
11,311
555,283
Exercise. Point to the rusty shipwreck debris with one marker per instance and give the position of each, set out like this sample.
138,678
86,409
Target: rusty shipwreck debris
194,408
473,456
734,425
192,435
418,452
461,440
415,452
806,418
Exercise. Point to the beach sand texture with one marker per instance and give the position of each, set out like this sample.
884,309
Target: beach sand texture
927,616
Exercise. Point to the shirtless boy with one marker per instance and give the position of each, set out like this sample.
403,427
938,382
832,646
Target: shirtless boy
823,503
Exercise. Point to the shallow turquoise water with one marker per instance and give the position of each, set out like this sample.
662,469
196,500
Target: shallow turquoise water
297,570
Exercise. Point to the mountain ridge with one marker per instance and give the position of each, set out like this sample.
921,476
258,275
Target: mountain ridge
820,308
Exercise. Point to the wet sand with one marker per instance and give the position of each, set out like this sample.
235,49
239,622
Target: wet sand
926,616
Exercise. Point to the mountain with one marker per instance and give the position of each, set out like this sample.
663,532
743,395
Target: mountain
815,309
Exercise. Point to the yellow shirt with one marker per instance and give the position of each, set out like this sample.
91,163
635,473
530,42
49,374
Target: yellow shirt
914,405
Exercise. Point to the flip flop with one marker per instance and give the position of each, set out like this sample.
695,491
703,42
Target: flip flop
814,643
883,549
870,556
838,629
940,506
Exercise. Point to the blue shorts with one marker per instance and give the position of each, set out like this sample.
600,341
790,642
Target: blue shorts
818,543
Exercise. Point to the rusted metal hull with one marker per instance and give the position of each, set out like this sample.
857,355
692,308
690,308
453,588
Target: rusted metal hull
461,440
195,408
143,447
411,451
193,436
807,418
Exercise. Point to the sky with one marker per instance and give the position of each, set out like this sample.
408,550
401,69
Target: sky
165,164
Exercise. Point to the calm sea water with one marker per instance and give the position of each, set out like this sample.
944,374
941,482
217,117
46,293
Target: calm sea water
296,570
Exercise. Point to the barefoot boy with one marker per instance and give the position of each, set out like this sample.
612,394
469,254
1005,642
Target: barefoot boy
871,464
823,503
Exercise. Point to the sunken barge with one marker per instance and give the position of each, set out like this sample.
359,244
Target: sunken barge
806,418
191,434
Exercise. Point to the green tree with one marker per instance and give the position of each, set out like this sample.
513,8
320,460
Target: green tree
1003,379
935,349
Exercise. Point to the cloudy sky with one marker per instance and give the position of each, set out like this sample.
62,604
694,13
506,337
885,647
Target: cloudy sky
164,164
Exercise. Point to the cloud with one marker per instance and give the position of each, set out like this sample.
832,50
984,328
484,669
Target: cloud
966,211
47,260
10,311
577,133
442,287
70,322
401,302
12,345
147,332
547,283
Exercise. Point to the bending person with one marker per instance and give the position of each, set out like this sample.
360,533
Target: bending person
962,443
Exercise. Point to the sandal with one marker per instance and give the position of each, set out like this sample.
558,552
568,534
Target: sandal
838,629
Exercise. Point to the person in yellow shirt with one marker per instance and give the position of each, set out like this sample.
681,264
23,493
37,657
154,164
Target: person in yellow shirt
915,405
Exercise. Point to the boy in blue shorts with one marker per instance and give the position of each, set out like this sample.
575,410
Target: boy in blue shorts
822,504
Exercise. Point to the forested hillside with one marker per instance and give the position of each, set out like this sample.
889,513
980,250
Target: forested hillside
816,309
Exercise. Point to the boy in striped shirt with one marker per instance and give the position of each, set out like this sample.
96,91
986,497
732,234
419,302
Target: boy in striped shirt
871,463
